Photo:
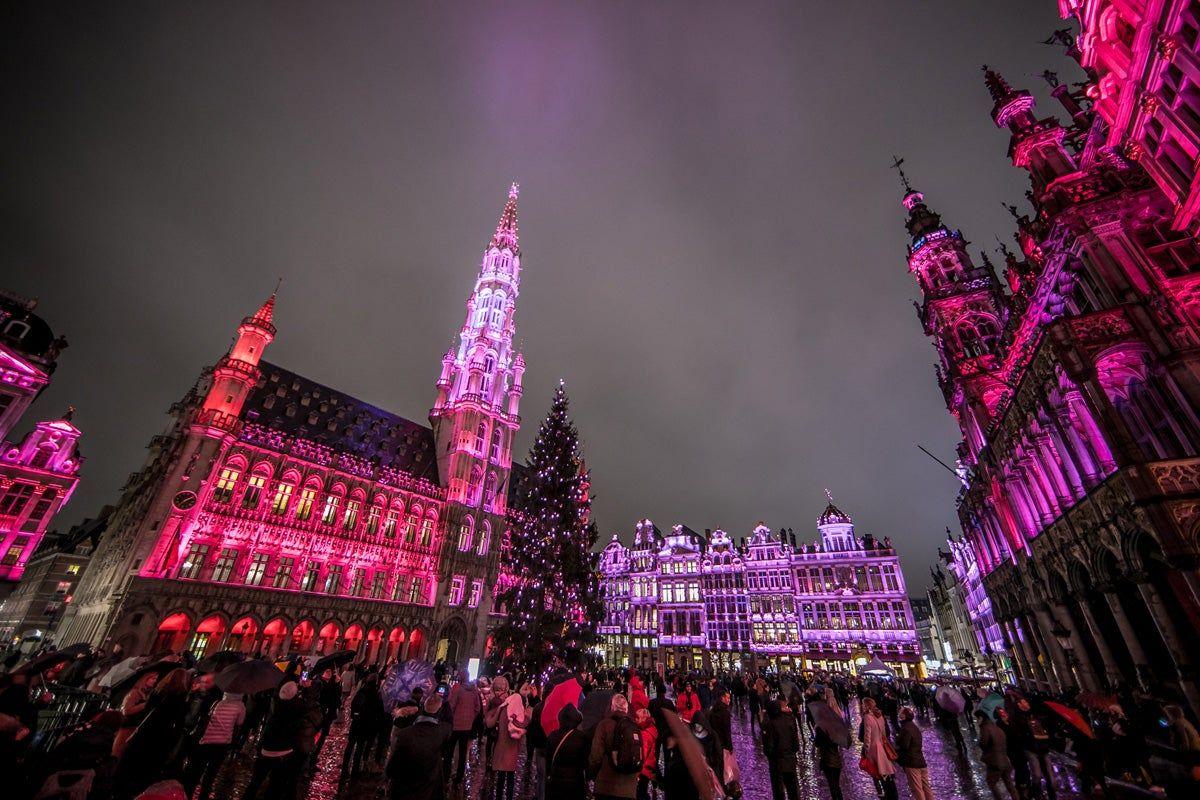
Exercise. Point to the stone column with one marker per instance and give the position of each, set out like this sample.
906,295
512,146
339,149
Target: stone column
1111,672
1170,636
1033,647
1062,665
1127,635
1080,660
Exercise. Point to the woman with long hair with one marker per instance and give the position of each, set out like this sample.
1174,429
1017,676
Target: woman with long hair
153,750
877,751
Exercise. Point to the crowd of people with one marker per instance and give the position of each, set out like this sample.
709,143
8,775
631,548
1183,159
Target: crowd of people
168,729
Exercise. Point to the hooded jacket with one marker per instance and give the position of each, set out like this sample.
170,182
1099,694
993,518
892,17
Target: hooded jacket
781,742
567,757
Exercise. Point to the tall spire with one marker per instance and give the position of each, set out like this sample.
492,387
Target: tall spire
506,229
265,316
1010,107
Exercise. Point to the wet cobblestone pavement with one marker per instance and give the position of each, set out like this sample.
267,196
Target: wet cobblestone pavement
952,775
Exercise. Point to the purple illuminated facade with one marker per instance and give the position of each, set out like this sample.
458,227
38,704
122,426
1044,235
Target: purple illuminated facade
706,601
279,515
39,472
1076,381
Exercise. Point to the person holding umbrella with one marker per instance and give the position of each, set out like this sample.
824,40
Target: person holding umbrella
829,759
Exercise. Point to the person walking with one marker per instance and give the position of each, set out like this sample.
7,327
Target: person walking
367,716
466,706
153,751
415,765
615,759
781,743
688,703
877,750
829,759
510,722
911,756
645,722
224,721
280,757
567,752
993,746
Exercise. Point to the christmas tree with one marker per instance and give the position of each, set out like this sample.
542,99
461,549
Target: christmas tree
553,596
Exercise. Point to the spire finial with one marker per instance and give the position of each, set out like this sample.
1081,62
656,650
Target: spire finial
996,85
506,228
898,165
829,495
69,413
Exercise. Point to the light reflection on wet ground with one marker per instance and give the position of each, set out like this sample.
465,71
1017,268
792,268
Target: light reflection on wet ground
951,775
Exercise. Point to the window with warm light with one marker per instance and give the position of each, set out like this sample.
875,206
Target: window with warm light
226,482
476,593
254,487
416,590
373,520
329,514
283,572
305,505
310,577
194,563
457,584
350,517
426,531
283,496
333,579
223,567
389,524
465,534
258,566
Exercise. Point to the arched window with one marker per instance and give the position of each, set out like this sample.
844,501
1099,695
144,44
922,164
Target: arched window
481,308
496,310
485,538
489,490
977,336
466,534
496,442
480,437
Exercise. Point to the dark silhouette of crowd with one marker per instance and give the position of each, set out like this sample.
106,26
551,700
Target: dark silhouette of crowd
87,725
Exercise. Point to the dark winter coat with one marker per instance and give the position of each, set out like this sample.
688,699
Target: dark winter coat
367,714
829,754
993,745
721,721
781,740
909,746
608,780
567,752
415,765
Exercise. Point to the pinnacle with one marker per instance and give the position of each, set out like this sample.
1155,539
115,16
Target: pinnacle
506,234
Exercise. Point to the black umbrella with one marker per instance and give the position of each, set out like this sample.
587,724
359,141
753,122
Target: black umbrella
596,707
831,722
219,661
249,677
48,660
331,661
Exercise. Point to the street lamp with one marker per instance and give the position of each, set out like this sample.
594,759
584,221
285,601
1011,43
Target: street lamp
1062,634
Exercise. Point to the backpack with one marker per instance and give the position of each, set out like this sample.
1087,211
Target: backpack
626,749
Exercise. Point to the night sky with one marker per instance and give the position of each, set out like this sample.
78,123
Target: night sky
713,242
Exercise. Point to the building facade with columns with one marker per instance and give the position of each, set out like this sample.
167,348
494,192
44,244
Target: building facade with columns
38,472
1075,384
278,515
695,600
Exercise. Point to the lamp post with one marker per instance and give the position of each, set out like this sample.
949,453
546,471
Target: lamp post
969,659
1062,635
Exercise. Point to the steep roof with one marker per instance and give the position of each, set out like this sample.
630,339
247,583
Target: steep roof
297,406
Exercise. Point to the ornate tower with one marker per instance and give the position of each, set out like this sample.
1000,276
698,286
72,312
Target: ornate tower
235,375
475,418
963,311
1037,145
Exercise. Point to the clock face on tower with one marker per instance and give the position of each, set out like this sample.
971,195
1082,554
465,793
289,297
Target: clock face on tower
184,500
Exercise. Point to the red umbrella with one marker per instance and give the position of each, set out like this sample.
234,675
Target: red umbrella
564,693
1073,717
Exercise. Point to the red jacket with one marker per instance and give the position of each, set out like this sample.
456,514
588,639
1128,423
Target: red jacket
649,747
688,703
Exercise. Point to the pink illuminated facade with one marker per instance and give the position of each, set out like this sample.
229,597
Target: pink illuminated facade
39,472
704,601
278,515
1076,384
